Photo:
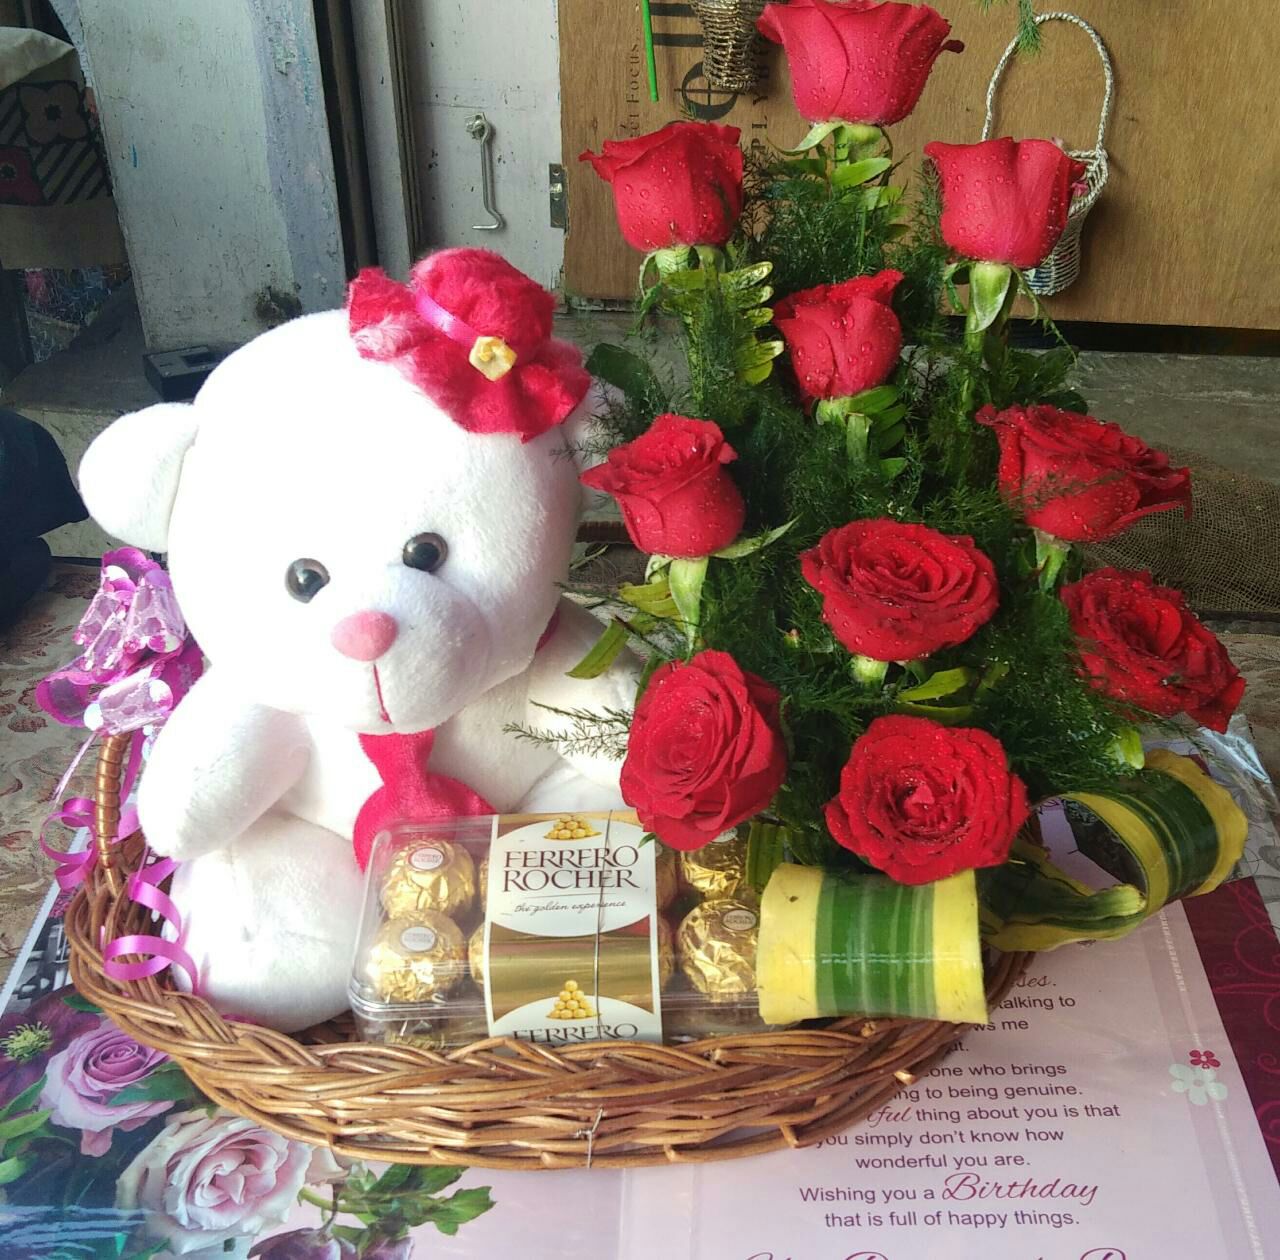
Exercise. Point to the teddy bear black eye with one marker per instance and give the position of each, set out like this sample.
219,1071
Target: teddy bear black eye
425,552
304,578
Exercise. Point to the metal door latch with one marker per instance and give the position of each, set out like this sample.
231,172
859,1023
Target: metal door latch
478,128
557,187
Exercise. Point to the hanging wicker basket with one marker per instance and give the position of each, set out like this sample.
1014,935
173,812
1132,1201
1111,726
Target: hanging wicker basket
1063,265
730,42
500,1103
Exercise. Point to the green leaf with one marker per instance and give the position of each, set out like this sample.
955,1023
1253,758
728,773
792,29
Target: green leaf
686,576
626,371
815,136
12,1169
802,166
603,653
431,1179
891,436
871,401
1066,400
890,468
766,851
745,546
859,172
16,1126
1182,835
944,715
462,1206
78,1003
945,682
746,277
169,1082
756,353
653,597
26,1099
890,416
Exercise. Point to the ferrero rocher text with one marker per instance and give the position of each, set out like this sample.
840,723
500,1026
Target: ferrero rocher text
571,869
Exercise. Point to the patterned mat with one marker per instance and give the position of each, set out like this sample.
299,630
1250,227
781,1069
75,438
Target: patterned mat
35,750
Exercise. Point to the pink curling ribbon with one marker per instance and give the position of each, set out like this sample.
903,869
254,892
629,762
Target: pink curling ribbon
136,662
70,869
144,888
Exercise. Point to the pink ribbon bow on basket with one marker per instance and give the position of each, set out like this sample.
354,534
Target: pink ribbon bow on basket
136,662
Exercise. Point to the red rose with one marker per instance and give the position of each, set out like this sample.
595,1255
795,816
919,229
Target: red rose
680,185
1004,201
675,496
843,338
1078,478
859,62
894,592
705,751
1140,643
921,801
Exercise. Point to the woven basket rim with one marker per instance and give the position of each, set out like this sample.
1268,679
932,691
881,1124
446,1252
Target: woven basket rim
500,1103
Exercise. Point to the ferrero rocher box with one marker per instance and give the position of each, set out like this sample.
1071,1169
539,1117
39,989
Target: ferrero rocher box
554,929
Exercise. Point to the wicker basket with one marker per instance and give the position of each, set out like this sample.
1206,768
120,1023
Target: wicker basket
730,42
1063,265
500,1103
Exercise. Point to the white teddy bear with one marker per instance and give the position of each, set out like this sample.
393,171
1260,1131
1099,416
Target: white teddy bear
366,515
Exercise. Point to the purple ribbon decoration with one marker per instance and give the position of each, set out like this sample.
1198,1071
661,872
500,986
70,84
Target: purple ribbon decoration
136,662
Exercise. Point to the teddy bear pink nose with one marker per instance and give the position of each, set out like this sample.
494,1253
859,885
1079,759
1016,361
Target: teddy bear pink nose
364,636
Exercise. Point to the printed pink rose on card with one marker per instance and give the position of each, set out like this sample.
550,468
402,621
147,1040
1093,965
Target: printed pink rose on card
85,1079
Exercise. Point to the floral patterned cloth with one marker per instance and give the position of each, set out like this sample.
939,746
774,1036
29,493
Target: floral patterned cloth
34,749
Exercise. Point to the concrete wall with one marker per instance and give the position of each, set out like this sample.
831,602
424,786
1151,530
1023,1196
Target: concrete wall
501,57
214,120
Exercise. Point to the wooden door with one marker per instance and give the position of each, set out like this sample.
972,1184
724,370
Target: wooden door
1186,231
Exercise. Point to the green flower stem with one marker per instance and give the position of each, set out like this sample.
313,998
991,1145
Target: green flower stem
857,429
855,140
991,296
686,576
1051,554
857,426
869,672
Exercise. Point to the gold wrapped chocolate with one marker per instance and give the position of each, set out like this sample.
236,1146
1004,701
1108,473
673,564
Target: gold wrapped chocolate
717,869
666,952
666,869
430,875
482,880
716,946
475,953
416,957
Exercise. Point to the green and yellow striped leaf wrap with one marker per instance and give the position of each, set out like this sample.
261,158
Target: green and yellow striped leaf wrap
1182,831
866,945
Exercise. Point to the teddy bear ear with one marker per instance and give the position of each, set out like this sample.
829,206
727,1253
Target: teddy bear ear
129,475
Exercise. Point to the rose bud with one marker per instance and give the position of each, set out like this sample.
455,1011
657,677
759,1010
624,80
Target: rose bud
921,801
893,591
680,185
1078,478
705,751
858,62
843,338
1141,645
675,496
1004,201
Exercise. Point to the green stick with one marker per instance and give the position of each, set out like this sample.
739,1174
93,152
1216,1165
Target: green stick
648,50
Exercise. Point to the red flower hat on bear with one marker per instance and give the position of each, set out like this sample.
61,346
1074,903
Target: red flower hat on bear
474,334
